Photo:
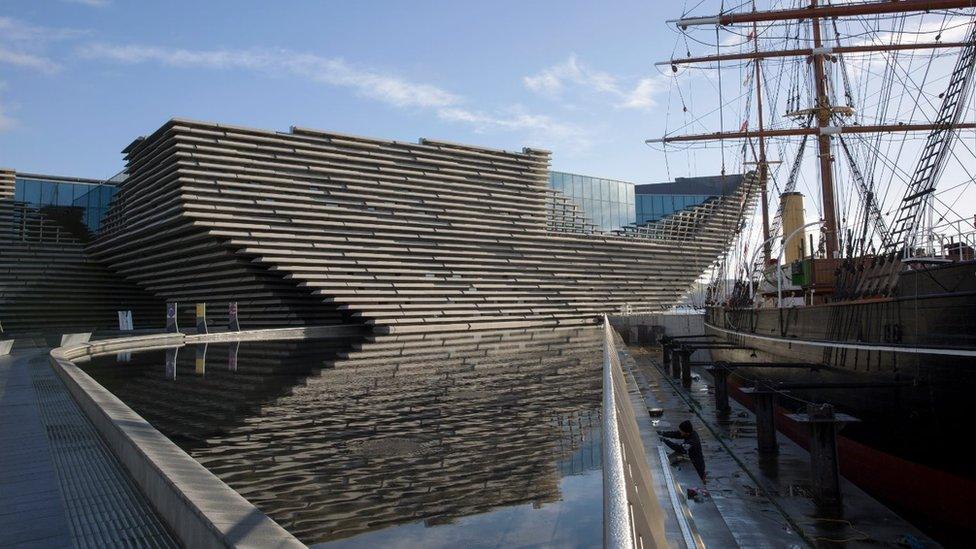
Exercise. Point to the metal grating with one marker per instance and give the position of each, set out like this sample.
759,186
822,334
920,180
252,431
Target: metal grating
104,508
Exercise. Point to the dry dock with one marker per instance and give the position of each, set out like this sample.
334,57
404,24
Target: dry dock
754,500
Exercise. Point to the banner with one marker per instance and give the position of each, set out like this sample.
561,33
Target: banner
201,318
233,324
171,324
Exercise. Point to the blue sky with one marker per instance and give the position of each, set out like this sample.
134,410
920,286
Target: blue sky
80,79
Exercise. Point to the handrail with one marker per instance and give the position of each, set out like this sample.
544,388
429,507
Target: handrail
632,515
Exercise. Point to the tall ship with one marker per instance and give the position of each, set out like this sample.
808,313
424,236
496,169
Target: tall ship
858,118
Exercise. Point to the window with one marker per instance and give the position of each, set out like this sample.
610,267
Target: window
32,193
556,181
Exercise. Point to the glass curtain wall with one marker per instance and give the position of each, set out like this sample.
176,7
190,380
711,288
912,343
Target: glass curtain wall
92,198
651,207
608,203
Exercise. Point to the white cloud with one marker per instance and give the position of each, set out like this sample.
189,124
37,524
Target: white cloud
6,122
553,82
542,129
28,60
386,88
327,70
22,33
22,44
644,93
90,3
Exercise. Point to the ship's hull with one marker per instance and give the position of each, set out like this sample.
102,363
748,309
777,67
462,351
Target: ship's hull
907,446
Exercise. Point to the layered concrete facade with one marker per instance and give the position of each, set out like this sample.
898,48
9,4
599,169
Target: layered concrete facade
48,282
311,228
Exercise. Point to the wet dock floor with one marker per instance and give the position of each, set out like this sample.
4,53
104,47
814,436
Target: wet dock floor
754,500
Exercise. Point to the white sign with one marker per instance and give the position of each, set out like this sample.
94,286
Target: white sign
125,321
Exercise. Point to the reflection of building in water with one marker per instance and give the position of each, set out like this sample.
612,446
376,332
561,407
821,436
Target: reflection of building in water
398,430
582,435
196,402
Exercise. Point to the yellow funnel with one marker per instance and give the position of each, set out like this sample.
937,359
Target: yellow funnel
791,204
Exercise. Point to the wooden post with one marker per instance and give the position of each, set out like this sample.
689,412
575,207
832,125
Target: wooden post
685,355
766,423
720,375
765,408
824,466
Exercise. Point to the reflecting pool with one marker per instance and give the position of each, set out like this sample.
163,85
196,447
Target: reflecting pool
479,439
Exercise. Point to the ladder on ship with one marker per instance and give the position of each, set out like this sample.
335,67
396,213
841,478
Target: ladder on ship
923,182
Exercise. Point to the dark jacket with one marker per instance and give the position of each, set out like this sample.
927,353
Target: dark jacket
693,442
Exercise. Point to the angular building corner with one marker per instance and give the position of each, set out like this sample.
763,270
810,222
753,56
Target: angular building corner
48,283
308,228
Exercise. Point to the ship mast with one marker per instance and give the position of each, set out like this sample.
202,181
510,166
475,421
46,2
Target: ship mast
763,165
822,110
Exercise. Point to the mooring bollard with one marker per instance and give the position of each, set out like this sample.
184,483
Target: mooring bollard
233,323
824,466
676,361
666,353
642,336
765,404
201,318
172,323
686,367
720,375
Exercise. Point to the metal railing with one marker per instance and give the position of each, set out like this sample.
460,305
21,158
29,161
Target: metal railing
632,515
952,241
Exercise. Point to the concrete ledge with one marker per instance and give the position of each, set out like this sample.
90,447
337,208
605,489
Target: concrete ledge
198,507
277,334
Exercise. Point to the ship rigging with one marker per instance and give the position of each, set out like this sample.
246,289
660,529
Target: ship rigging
813,47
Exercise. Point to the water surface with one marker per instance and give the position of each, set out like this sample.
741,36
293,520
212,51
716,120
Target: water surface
484,439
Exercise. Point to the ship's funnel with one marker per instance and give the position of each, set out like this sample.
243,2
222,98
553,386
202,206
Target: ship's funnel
791,204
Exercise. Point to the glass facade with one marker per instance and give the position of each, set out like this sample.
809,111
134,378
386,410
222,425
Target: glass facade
651,207
91,197
609,204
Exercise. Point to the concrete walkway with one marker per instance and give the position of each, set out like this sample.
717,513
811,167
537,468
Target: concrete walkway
762,502
60,486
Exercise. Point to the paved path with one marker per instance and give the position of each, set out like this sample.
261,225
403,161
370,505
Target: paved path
60,486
